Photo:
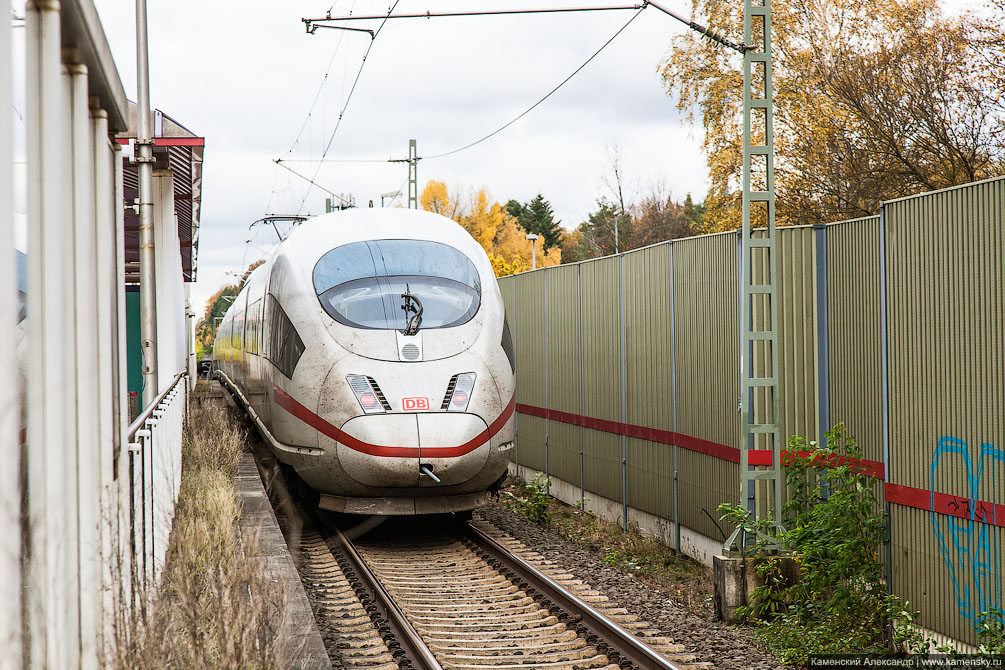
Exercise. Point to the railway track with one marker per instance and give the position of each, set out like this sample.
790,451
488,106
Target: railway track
423,594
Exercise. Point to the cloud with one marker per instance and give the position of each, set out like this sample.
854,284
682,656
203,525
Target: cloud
245,77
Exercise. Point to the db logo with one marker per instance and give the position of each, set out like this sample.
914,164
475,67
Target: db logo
414,404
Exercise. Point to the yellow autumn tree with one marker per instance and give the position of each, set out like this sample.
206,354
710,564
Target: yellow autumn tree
873,100
490,225
435,198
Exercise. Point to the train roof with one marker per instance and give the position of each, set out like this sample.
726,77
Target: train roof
315,237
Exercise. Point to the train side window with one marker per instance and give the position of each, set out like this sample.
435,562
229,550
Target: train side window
285,345
507,344
239,332
252,327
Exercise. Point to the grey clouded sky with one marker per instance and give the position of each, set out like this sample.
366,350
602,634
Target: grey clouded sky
244,75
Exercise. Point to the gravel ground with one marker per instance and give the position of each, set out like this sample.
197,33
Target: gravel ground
728,647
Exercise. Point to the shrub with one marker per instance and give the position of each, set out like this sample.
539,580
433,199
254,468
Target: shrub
840,603
531,500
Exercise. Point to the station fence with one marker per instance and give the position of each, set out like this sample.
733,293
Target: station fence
76,478
628,381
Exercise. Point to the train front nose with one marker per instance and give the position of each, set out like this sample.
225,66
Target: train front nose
392,450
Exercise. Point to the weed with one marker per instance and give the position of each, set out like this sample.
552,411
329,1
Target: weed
840,602
214,606
991,632
688,583
531,499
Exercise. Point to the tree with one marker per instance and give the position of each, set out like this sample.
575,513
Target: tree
537,217
874,99
491,225
655,218
216,307
514,209
435,198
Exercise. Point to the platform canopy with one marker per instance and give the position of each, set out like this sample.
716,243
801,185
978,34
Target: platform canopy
179,150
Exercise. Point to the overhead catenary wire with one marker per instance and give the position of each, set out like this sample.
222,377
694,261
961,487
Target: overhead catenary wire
310,112
321,87
315,23
494,132
345,106
546,96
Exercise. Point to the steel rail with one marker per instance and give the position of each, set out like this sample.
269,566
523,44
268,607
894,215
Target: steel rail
618,640
411,642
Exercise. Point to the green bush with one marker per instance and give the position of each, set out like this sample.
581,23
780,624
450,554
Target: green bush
991,632
531,500
840,602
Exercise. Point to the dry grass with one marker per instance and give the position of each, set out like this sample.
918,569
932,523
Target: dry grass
214,608
689,582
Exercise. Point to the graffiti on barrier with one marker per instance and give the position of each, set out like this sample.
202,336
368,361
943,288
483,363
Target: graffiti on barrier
966,534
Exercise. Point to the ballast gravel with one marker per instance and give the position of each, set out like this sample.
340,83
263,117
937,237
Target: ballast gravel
728,647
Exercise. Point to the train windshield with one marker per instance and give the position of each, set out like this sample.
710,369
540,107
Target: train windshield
361,284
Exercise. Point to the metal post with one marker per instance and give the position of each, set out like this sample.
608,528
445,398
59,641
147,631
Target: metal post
84,467
885,365
413,176
516,414
10,400
760,393
582,430
144,171
547,470
823,340
49,432
624,399
673,385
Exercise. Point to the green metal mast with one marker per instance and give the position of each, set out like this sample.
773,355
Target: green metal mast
761,484
413,176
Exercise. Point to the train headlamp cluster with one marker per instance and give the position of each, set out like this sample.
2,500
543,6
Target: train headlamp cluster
367,396
461,394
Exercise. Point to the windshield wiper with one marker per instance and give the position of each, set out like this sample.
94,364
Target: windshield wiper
415,320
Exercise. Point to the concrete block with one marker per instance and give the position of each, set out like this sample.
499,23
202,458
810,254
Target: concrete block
735,578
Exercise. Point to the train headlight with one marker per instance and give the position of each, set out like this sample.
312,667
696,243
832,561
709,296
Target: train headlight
368,396
461,395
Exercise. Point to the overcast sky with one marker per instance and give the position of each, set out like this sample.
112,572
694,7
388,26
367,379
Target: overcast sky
249,79
245,75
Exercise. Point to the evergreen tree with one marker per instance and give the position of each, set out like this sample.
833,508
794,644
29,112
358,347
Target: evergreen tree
538,217
514,209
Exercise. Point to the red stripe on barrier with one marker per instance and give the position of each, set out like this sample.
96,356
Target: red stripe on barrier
691,443
301,412
908,496
714,449
943,503
631,430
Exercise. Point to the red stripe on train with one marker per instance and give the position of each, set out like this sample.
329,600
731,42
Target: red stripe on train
291,405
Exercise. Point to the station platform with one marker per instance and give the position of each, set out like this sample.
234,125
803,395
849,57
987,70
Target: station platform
306,650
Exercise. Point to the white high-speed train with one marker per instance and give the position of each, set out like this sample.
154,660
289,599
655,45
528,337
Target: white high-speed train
374,353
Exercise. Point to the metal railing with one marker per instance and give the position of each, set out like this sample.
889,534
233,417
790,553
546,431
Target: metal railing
154,452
